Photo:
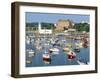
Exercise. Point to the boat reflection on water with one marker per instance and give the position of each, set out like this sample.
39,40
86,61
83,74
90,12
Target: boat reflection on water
47,61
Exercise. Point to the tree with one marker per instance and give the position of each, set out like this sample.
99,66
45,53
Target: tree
82,27
47,25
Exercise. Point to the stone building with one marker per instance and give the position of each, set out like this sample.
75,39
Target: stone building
64,24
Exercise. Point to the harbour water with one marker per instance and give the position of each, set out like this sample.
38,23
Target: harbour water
55,60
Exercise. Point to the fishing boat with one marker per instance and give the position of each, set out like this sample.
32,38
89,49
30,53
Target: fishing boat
71,55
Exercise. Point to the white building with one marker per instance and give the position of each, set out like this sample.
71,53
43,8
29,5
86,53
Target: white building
44,31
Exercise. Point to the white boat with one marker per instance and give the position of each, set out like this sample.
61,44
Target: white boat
54,50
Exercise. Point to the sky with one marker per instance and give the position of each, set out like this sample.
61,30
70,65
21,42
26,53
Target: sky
54,17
